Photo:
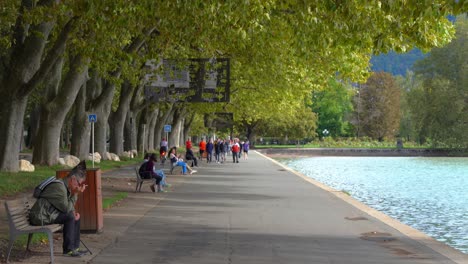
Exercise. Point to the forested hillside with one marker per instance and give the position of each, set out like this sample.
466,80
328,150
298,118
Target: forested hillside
395,63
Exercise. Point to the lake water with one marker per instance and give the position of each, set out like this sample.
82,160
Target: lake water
426,193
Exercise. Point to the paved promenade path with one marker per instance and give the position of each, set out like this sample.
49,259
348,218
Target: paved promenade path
257,212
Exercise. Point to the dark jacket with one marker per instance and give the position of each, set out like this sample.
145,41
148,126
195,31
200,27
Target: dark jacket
54,199
189,155
209,147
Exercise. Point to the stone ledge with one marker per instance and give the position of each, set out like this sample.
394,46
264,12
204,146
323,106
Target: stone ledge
366,152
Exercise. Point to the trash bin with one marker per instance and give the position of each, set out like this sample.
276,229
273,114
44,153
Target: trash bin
89,203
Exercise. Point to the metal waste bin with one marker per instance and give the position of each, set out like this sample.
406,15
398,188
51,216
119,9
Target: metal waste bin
89,203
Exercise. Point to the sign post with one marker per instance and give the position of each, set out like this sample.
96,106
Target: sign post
167,129
92,118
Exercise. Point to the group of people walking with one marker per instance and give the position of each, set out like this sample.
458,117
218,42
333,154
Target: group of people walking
220,148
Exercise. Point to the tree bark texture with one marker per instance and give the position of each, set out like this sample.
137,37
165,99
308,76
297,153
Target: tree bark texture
187,125
141,138
153,118
23,65
100,127
117,119
163,119
33,125
99,95
11,129
53,114
176,123
81,128
137,104
130,132
25,68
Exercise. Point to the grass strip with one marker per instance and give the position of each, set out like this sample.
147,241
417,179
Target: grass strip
12,183
108,202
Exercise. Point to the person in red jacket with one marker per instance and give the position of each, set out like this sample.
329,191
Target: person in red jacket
202,146
188,144
235,149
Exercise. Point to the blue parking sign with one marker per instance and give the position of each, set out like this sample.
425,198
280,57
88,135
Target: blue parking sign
92,118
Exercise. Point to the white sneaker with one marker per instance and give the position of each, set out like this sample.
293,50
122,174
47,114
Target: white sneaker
192,172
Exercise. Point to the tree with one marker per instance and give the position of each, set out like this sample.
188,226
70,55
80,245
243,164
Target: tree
408,84
332,106
380,101
440,106
25,62
282,48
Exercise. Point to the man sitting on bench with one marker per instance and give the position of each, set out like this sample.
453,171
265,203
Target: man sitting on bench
56,205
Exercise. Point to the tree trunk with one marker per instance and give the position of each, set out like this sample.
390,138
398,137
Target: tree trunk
162,120
15,89
66,141
157,132
141,138
187,127
130,132
117,119
174,136
53,114
98,100
137,104
182,132
11,129
81,128
33,125
153,118
100,127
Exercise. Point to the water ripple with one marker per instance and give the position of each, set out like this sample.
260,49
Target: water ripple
428,194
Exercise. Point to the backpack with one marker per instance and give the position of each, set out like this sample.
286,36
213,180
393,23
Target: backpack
235,148
39,188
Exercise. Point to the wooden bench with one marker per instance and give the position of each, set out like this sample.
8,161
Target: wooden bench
139,180
18,220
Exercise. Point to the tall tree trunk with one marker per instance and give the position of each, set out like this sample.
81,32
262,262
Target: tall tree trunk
157,132
100,127
98,100
25,69
26,57
137,104
188,126
174,136
181,132
81,128
152,124
54,112
141,138
33,125
130,132
10,133
117,119
163,119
